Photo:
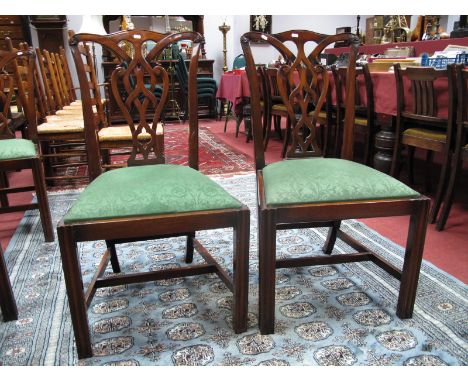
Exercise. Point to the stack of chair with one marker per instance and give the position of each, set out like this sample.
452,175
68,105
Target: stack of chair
206,88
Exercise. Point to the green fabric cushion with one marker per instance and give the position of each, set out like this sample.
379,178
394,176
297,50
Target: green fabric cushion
319,180
16,149
149,190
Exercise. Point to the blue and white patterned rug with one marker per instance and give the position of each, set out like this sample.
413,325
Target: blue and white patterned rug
327,315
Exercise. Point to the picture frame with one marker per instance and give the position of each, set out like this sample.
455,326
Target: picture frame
260,23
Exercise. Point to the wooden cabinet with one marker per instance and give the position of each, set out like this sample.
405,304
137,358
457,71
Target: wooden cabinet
16,28
205,69
50,30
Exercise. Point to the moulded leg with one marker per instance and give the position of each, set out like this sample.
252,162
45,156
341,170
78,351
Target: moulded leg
331,237
189,248
3,184
413,257
7,299
113,256
448,199
267,270
74,284
441,187
44,211
241,271
410,164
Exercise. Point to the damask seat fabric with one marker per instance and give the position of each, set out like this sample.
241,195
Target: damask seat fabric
321,180
149,190
16,149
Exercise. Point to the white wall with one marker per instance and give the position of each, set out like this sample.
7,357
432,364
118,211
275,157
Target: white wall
239,25
321,24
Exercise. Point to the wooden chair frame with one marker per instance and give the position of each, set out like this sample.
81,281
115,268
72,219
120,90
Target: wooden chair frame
329,214
369,130
460,153
25,86
56,147
424,112
118,230
7,298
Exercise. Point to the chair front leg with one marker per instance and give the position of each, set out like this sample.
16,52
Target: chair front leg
74,283
7,299
267,270
241,271
413,258
4,184
44,211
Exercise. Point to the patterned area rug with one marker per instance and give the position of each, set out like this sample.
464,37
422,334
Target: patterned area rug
327,315
215,157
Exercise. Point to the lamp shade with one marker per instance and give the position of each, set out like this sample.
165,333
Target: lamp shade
92,24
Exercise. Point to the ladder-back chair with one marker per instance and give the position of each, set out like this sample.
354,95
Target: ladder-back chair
310,191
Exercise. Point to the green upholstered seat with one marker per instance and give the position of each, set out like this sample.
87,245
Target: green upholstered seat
16,149
319,180
149,190
433,135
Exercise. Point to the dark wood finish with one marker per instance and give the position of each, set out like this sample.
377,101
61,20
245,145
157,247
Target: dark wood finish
364,122
7,298
423,114
296,97
126,229
460,152
16,28
50,31
25,88
205,69
60,147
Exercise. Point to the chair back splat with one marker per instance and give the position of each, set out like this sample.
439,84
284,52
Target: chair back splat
128,80
309,83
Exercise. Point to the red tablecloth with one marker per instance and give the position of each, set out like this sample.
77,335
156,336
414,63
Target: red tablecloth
234,87
384,88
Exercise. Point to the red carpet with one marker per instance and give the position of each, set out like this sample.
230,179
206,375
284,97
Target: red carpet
447,250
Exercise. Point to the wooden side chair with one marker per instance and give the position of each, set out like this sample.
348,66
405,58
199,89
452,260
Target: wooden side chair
419,126
139,202
364,121
7,298
460,152
276,110
20,154
310,191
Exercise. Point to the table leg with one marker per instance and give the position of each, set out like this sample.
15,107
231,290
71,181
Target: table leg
384,142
